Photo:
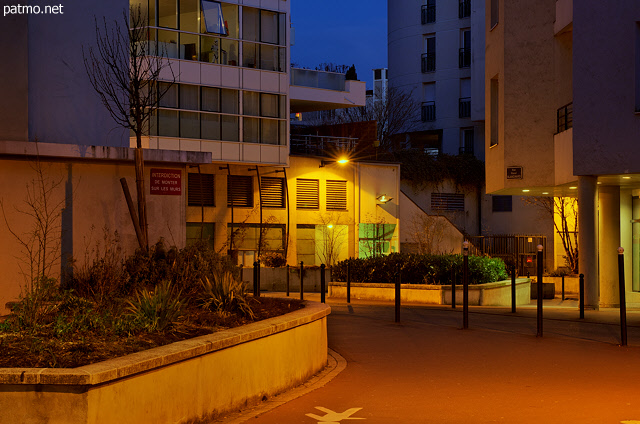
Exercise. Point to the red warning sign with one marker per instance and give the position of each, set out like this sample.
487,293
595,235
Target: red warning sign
166,181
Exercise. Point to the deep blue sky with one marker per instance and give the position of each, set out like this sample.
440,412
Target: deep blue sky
344,32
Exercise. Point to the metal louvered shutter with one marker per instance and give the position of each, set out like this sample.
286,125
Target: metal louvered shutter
447,202
307,194
240,191
200,190
336,195
272,192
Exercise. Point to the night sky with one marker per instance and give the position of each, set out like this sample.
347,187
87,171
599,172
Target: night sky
344,32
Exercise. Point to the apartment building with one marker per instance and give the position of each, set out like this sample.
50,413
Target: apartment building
569,122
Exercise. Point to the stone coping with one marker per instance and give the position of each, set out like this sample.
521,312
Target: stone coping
430,286
139,362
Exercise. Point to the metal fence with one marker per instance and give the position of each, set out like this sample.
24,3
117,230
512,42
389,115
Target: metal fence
518,250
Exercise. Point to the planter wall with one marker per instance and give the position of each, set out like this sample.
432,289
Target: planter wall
571,284
491,294
275,279
189,381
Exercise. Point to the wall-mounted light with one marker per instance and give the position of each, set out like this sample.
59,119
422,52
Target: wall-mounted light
384,199
341,161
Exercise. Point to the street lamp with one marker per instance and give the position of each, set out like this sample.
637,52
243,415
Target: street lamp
341,161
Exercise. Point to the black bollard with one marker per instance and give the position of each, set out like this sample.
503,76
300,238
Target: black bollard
287,280
398,282
563,287
539,260
349,281
453,287
513,289
465,285
581,289
258,274
322,283
623,302
301,280
255,279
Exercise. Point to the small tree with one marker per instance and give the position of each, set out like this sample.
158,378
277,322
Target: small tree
331,236
125,71
427,232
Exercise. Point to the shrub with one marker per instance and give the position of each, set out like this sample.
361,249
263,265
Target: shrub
224,294
420,269
157,310
273,260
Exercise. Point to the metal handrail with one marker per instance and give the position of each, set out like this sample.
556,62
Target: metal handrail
464,107
428,62
565,117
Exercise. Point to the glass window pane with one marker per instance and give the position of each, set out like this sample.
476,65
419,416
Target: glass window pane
209,49
283,133
212,17
168,13
249,55
250,24
210,126
153,124
283,60
168,44
168,123
189,97
152,13
188,46
170,96
230,13
190,124
251,103
269,105
251,130
139,12
229,101
269,131
229,52
282,30
189,15
268,27
269,58
283,107
230,128
211,99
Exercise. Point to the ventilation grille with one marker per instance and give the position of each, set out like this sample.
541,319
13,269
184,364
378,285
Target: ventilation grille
240,191
200,189
336,195
447,202
272,192
307,194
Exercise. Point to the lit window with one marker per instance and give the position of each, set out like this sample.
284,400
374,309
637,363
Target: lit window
213,19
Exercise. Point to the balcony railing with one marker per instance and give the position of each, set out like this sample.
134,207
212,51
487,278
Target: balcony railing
428,62
565,117
464,107
464,9
313,145
428,14
466,150
464,57
318,79
428,111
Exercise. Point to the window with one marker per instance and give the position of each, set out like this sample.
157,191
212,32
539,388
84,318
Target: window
377,74
336,195
375,239
464,9
200,190
464,103
447,202
247,236
429,12
495,14
197,231
466,142
272,192
213,18
307,194
429,103
501,203
168,14
495,110
240,191
464,56
429,57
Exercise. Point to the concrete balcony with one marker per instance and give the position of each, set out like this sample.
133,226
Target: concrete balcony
312,90
564,16
563,157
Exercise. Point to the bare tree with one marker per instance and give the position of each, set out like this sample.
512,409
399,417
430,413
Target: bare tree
564,213
331,237
428,233
124,68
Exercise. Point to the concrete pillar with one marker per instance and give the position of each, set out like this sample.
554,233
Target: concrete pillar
588,238
609,241
636,245
626,235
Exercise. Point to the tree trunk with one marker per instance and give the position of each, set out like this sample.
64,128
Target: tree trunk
142,209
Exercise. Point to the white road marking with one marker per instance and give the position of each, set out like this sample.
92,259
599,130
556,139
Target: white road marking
332,417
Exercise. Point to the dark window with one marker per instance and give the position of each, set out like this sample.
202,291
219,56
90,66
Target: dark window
464,56
307,194
336,195
447,202
495,14
197,231
377,74
428,111
240,191
429,58
200,190
464,107
429,12
272,193
466,147
464,9
502,203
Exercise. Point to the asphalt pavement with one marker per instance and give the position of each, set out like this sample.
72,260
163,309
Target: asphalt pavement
427,369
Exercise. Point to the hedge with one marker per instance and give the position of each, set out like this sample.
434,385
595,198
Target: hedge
420,269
